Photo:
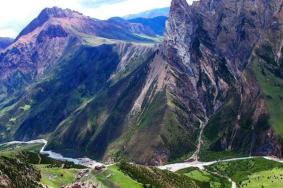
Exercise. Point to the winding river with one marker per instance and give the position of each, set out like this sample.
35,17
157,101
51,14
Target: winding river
89,163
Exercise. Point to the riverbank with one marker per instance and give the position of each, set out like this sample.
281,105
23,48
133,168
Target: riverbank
89,163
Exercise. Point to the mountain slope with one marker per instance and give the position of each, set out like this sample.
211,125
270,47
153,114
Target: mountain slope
216,59
212,87
152,27
41,44
157,24
5,42
16,174
150,13
51,67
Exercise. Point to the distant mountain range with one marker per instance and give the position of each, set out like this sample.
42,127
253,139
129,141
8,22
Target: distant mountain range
211,87
5,42
150,13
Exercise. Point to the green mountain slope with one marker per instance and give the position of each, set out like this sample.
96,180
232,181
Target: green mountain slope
16,174
106,89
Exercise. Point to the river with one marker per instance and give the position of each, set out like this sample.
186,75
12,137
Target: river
89,163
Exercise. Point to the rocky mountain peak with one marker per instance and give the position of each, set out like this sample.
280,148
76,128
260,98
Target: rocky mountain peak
178,4
203,89
59,12
178,11
45,15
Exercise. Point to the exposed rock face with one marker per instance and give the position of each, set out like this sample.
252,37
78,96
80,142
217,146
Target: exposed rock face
51,32
210,44
47,14
218,75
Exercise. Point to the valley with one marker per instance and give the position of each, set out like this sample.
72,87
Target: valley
189,97
57,171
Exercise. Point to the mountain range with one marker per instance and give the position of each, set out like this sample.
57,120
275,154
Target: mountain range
114,89
5,42
150,13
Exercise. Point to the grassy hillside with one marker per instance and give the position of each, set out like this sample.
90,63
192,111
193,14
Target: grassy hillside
17,174
214,181
267,179
55,173
267,73
56,176
50,172
25,166
12,150
243,172
153,177
114,177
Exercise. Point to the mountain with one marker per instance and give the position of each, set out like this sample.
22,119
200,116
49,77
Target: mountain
62,61
54,31
150,13
5,42
150,26
226,59
157,24
212,89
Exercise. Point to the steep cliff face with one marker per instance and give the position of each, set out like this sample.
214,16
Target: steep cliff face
212,46
212,88
205,90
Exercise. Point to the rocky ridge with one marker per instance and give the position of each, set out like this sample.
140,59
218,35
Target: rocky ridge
213,87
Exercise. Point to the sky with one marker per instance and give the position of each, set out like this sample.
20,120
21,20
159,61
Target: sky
16,14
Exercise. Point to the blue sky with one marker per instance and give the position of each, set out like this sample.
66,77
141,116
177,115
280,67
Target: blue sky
16,14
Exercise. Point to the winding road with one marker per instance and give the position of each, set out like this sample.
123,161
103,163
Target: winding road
89,163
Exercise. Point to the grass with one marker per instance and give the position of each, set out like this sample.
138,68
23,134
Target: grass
113,177
272,87
154,177
206,177
18,173
54,173
154,112
206,155
29,153
240,170
156,39
56,177
267,179
217,127
14,149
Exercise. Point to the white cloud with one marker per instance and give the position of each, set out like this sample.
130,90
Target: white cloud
125,8
8,32
15,14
